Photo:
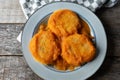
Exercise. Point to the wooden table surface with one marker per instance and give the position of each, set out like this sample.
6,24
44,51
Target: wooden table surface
13,65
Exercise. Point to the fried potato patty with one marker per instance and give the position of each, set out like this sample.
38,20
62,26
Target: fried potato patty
63,22
77,49
44,47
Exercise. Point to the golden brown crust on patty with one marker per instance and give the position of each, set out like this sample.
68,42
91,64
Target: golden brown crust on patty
77,49
44,47
63,22
61,64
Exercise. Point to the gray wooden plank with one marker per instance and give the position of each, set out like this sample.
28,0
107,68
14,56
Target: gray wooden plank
8,43
11,12
15,68
110,70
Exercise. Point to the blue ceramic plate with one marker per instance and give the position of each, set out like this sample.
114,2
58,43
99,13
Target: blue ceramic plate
80,73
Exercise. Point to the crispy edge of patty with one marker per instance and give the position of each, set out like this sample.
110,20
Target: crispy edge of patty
44,47
64,22
78,49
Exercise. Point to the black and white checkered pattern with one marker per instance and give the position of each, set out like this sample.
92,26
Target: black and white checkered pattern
30,6
92,4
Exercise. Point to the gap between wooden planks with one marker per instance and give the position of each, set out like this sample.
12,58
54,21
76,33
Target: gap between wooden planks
11,12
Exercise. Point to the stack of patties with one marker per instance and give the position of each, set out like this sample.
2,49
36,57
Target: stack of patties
65,42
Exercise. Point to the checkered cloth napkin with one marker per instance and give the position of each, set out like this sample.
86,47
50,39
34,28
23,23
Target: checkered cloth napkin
30,6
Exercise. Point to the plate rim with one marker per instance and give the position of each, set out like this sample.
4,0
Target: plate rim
65,77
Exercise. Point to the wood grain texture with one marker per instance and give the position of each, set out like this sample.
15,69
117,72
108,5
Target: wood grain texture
8,43
11,12
110,70
15,68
